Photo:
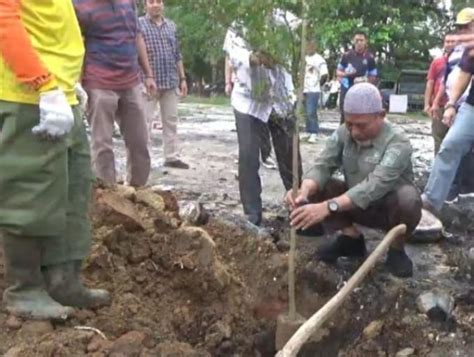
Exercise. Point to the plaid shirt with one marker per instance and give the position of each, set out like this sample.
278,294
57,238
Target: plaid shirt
163,51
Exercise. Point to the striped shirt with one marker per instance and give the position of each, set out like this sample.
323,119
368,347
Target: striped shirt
162,46
110,31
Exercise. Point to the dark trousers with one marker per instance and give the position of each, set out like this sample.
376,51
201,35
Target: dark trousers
250,132
401,206
341,103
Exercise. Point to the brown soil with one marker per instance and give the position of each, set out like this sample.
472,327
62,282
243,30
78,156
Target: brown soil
216,290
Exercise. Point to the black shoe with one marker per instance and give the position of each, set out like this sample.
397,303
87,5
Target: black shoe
176,164
254,219
399,264
343,246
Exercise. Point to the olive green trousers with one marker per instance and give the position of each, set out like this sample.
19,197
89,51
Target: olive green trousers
45,186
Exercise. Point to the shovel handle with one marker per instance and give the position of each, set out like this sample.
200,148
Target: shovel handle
306,330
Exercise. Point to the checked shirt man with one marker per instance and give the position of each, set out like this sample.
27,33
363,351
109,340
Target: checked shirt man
167,67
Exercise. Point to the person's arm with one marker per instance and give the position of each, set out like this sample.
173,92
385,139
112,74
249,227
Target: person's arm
228,76
183,84
323,72
150,83
428,95
383,178
17,51
372,72
461,82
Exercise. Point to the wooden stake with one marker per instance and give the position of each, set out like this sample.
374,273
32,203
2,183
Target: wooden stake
295,167
295,343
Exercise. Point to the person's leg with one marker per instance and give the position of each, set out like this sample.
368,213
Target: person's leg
266,145
63,255
311,105
135,134
33,188
341,104
402,206
102,109
282,130
249,139
169,116
456,144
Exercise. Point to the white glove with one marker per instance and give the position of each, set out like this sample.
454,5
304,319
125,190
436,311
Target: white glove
56,117
81,96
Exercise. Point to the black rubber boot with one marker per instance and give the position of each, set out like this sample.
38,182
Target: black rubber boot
65,286
27,296
399,264
343,246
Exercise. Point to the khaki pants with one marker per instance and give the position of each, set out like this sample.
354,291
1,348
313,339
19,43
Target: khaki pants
127,108
44,185
168,100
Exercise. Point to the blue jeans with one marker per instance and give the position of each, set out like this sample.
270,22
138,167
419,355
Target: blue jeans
311,109
456,144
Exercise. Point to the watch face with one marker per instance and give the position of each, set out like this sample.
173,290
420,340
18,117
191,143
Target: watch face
333,206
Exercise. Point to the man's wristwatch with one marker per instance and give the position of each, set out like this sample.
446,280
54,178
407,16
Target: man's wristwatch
333,206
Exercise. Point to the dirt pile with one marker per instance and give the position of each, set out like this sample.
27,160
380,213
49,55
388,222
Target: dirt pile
216,290
174,285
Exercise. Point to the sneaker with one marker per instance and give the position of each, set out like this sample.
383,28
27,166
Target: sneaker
269,163
313,138
466,195
343,246
399,264
176,164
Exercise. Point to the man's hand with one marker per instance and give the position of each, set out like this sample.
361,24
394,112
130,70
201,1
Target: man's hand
435,112
82,96
427,110
306,216
294,202
449,116
56,117
150,86
183,88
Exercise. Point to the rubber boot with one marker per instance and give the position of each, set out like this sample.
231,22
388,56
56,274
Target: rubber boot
26,295
343,246
65,286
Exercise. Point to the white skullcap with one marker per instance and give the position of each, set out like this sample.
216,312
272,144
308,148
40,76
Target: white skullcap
363,98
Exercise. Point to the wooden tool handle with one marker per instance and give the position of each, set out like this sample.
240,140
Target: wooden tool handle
295,343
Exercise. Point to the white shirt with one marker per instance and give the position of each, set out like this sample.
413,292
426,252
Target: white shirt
316,67
241,99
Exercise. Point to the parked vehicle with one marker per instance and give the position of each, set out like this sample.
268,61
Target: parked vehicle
410,82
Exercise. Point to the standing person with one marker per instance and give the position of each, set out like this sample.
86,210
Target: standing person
262,97
378,189
114,49
315,75
165,57
356,65
45,180
460,137
463,183
434,85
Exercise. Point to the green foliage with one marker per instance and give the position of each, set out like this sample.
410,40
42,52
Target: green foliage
401,32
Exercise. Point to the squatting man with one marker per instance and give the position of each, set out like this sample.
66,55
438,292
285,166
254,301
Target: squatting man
378,191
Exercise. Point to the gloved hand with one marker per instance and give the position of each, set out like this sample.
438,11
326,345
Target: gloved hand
81,96
56,117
